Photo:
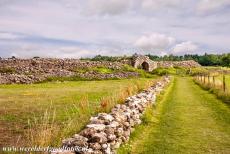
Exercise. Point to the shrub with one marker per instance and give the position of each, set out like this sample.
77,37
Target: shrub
7,70
164,71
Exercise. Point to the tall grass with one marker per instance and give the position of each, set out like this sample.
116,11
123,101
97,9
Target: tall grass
215,86
45,131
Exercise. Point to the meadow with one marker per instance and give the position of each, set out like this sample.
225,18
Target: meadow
43,114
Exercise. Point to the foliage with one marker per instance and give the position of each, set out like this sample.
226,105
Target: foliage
205,60
179,71
141,72
102,70
107,58
164,71
7,70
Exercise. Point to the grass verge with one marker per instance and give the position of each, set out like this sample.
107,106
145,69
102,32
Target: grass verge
149,120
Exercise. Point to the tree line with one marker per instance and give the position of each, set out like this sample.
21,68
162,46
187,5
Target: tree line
204,60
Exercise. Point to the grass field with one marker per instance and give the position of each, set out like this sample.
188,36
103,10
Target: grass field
42,114
188,120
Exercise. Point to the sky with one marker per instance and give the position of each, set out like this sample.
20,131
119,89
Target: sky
85,28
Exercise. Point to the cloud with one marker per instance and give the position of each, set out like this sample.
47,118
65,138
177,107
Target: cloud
110,7
158,4
9,36
185,47
154,41
205,6
25,50
111,27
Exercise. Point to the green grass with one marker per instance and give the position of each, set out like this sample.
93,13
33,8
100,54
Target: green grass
141,72
227,79
182,71
102,70
47,112
188,120
216,86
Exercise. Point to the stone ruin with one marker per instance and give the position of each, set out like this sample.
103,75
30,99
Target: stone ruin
107,131
13,70
140,61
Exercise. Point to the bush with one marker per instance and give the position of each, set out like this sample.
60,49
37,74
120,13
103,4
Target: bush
102,70
7,70
164,71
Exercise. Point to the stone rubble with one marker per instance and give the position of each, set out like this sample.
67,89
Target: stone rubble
27,71
107,131
185,64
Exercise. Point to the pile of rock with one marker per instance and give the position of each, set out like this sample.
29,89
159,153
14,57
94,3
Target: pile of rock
107,131
25,71
19,78
45,65
186,64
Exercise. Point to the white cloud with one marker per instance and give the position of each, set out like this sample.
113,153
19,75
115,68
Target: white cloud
185,47
9,36
211,5
30,50
113,27
158,4
154,41
111,7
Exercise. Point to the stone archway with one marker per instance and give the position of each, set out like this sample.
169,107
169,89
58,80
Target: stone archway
145,66
139,61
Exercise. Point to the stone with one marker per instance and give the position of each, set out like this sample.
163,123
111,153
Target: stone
104,146
109,130
95,146
113,124
108,149
77,140
105,116
119,132
98,127
99,137
88,132
127,133
111,137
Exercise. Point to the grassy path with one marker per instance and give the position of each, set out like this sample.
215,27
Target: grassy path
188,120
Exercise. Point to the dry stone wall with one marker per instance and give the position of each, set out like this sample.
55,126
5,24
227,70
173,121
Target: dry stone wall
186,64
107,131
36,70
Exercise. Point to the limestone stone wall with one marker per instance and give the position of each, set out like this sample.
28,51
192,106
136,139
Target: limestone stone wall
107,131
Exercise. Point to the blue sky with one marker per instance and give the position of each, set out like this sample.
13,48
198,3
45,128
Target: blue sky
85,28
